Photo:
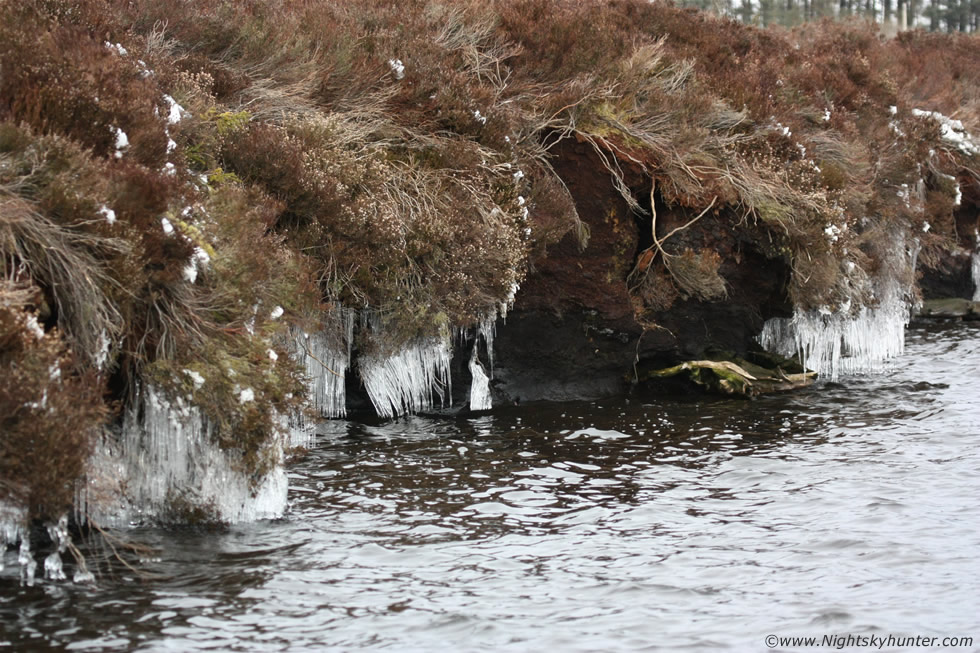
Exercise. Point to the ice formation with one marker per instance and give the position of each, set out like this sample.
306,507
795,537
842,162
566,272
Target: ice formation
846,341
175,113
836,343
58,532
487,329
28,566
11,520
165,453
326,357
409,380
480,387
199,261
975,269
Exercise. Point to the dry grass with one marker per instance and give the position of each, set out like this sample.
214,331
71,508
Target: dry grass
314,170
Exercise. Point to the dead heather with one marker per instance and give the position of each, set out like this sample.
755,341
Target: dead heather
171,174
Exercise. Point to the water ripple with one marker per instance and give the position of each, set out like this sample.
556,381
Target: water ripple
614,525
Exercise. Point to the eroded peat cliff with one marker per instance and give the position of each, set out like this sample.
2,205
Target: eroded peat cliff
221,222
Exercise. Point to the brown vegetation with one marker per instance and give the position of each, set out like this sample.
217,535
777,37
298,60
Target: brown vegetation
397,157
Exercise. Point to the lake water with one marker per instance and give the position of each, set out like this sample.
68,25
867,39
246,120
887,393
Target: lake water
844,509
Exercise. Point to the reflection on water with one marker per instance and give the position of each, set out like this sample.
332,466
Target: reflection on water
612,525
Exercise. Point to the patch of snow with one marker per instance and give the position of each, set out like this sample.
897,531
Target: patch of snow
122,141
34,327
951,131
117,48
903,194
102,356
176,111
277,313
833,232
273,356
397,68
246,396
479,118
195,377
110,215
199,261
168,227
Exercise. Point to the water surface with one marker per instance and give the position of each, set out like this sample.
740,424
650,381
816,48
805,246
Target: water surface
611,525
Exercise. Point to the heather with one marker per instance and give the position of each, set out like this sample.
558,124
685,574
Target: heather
185,185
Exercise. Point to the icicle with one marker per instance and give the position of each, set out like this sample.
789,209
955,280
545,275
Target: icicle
11,518
326,357
28,566
488,329
83,576
166,452
837,344
480,387
58,532
975,269
843,343
405,382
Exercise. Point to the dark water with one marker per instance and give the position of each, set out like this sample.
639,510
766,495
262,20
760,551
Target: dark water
615,525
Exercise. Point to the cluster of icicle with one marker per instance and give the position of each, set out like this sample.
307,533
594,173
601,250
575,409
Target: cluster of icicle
11,518
975,269
834,344
326,356
166,453
480,386
845,342
409,380
415,377
12,532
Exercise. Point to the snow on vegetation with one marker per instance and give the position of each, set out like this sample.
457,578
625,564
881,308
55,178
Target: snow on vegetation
952,131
